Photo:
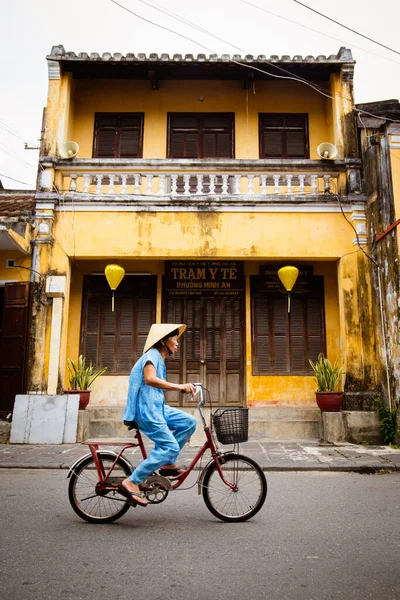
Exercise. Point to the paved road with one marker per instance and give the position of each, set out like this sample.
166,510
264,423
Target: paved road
272,456
320,536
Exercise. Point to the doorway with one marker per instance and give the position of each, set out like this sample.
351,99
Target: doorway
212,349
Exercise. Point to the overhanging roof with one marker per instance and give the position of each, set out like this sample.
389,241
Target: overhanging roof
191,67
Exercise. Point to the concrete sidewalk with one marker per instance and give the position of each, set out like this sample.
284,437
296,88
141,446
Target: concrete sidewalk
272,456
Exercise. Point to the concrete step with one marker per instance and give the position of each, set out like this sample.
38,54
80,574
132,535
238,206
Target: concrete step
274,422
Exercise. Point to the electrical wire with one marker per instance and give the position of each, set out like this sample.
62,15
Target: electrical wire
14,132
345,27
12,179
293,77
318,32
17,157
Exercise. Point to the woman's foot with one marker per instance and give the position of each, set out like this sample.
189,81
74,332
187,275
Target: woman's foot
134,490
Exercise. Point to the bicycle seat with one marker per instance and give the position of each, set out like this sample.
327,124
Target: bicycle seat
131,425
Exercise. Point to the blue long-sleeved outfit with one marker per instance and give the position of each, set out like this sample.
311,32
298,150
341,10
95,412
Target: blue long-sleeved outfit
168,427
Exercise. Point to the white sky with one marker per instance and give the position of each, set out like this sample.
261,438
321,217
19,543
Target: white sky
29,29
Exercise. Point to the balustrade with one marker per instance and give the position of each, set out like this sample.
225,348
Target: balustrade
200,184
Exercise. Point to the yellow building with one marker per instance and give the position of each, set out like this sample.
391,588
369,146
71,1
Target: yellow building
380,143
202,176
16,220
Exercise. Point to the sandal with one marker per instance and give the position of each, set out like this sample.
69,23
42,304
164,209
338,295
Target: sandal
174,471
131,496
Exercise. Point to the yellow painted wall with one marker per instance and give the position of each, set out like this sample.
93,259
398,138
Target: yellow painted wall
16,274
395,164
206,235
178,96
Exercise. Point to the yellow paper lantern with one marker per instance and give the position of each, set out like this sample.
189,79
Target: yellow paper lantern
288,276
114,275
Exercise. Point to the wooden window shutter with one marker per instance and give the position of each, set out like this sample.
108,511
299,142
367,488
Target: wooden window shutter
118,135
284,136
283,342
200,135
116,339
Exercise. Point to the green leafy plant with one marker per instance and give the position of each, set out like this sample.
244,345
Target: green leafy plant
388,421
81,377
327,375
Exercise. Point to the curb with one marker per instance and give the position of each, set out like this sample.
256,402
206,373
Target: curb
361,469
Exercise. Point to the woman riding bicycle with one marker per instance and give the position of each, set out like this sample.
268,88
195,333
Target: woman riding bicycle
168,427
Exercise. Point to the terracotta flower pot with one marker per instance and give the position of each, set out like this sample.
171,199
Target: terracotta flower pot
329,401
84,397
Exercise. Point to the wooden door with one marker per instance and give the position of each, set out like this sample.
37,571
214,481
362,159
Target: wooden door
211,350
13,344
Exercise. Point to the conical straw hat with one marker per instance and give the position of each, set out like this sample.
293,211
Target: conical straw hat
158,331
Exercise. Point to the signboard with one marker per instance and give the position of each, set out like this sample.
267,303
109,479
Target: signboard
204,278
269,280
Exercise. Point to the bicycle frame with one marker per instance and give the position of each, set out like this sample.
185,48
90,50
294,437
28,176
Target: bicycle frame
176,482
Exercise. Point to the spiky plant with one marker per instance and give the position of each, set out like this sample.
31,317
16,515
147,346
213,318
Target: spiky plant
327,375
81,377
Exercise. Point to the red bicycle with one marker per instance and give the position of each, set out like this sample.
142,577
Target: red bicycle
234,486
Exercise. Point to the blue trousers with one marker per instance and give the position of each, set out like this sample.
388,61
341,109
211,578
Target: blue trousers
169,437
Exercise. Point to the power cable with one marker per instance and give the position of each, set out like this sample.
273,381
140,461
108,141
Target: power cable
318,32
293,77
12,179
2,149
345,27
14,132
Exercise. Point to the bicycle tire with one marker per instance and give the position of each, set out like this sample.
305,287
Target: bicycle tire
235,506
82,494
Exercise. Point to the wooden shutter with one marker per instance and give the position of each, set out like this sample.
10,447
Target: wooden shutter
116,339
284,136
200,135
283,342
13,343
118,135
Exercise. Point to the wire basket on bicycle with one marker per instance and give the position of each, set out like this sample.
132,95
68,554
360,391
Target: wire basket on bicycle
231,425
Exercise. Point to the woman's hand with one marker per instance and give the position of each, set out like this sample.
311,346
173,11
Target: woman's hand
187,388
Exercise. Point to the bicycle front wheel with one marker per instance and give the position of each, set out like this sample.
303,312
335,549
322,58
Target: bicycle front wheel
248,495
95,503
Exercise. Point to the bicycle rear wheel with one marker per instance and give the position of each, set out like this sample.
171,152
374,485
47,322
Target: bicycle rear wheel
91,502
249,494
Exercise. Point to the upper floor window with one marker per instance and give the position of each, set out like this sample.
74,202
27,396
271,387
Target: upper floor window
200,135
118,135
284,135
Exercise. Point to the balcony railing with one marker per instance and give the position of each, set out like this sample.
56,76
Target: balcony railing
90,179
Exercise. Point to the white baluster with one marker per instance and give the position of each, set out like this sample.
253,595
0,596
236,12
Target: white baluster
186,179
149,186
225,184
72,185
199,183
136,183
86,182
314,184
276,183
326,184
99,178
111,186
161,190
301,183
263,183
174,180
124,177
237,184
250,185
289,178
212,184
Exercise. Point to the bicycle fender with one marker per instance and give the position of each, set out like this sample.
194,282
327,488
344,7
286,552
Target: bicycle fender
108,453
208,465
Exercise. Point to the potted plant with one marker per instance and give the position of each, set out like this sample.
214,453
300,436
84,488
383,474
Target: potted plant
81,378
328,378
